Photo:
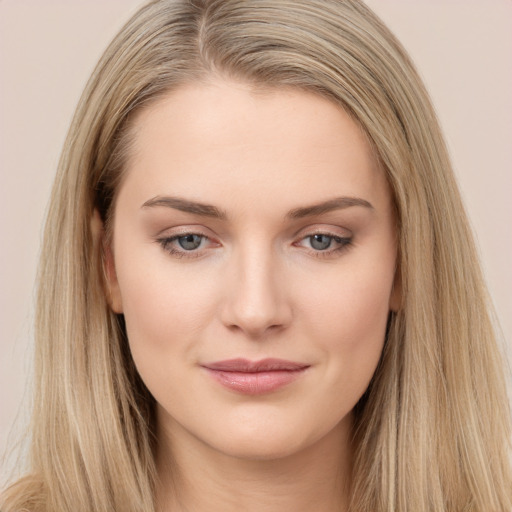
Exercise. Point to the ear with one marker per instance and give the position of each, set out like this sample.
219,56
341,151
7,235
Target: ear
107,263
395,299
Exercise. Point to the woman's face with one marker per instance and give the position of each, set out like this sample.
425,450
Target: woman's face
253,258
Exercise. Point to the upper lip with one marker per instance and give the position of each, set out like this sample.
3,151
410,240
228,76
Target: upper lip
247,366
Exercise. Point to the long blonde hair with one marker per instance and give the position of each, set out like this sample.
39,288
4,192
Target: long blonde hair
433,430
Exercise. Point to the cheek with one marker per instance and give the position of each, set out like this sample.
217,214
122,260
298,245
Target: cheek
165,310
348,317
350,302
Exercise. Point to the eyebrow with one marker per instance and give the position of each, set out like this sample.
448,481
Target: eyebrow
184,205
338,203
208,210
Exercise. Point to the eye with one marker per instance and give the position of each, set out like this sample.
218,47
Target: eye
189,242
186,245
320,242
324,244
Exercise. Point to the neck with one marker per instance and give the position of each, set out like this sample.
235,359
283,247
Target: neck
198,478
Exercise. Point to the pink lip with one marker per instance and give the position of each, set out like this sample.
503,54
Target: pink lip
255,377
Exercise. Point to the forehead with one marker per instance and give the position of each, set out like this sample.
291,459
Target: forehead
224,140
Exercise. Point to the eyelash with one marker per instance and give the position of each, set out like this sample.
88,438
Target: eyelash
344,244
166,244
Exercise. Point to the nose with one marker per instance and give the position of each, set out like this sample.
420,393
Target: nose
255,298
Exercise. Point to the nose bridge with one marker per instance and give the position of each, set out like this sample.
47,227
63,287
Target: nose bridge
255,298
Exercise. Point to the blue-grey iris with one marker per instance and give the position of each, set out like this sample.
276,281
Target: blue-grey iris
320,242
190,242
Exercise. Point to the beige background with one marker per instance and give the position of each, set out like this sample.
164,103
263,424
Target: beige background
463,49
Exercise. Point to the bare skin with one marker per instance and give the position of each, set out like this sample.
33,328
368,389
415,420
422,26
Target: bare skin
252,225
316,478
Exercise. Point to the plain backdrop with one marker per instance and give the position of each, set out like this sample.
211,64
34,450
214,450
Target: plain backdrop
463,49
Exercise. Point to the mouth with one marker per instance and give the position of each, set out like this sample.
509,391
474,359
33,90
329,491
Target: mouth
255,377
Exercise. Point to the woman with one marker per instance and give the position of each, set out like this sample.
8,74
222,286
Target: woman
258,289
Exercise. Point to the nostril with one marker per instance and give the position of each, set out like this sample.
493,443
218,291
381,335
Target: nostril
257,325
253,302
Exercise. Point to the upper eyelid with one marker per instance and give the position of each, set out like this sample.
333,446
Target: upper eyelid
206,233
201,228
331,231
189,229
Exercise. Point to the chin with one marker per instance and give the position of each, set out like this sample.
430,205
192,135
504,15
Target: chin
261,448
265,441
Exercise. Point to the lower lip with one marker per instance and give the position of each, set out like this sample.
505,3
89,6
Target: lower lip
256,383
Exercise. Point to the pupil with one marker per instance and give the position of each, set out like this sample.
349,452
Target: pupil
190,242
321,242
